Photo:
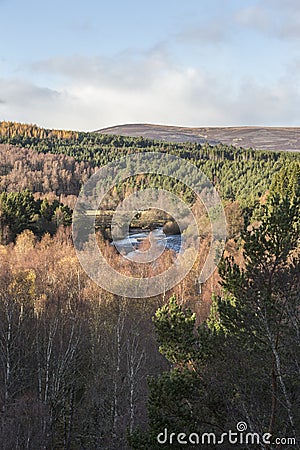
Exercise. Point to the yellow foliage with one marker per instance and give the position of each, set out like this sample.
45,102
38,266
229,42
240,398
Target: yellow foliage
22,287
25,242
11,129
3,250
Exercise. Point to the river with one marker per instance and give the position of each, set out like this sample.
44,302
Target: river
137,236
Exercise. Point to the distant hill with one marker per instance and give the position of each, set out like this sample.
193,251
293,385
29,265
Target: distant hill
261,138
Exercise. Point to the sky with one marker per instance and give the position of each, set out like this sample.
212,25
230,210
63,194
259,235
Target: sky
94,64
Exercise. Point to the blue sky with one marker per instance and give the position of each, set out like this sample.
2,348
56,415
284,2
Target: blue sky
87,65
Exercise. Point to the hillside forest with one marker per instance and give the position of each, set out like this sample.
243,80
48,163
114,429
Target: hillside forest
81,368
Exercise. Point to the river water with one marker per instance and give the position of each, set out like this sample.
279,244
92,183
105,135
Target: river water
136,237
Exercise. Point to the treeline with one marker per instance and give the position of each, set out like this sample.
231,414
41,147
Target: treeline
13,130
239,174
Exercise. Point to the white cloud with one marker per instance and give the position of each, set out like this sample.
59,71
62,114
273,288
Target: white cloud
91,93
24,101
275,18
272,105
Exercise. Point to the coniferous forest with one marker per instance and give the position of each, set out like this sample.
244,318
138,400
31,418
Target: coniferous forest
81,368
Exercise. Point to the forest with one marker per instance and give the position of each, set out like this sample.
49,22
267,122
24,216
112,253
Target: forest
81,368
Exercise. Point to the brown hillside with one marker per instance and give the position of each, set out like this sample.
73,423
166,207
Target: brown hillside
261,138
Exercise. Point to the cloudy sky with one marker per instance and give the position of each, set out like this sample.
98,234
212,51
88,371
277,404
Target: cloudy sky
87,65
